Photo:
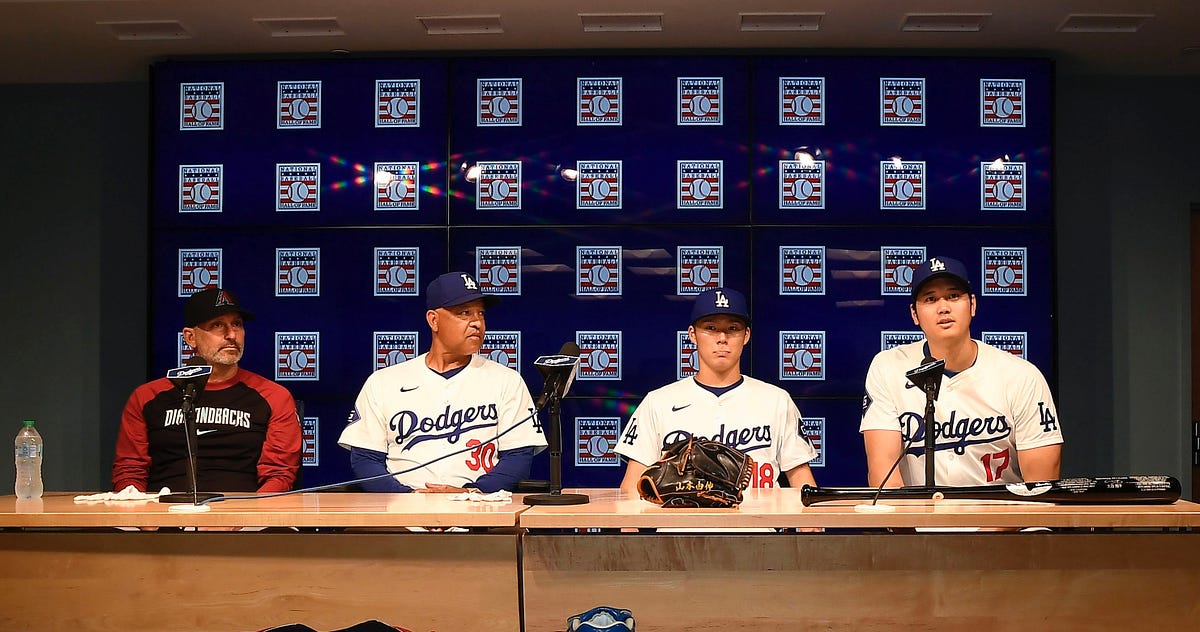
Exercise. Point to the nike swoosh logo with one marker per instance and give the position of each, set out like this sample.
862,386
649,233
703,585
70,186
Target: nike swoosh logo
204,432
676,409
405,390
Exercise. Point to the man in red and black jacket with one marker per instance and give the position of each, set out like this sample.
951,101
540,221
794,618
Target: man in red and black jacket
248,433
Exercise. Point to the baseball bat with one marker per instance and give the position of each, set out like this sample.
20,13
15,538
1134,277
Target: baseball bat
1105,490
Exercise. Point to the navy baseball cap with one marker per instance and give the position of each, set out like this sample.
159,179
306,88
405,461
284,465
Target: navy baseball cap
720,301
206,305
455,288
939,267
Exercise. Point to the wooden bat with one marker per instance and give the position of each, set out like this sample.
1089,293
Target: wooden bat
1106,490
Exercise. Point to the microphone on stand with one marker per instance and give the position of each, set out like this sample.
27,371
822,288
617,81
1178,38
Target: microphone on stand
190,378
558,371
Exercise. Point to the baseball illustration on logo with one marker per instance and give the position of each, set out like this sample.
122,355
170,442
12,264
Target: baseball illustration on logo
298,187
1002,186
802,100
396,271
397,185
201,106
896,266
1003,271
902,184
801,184
199,269
298,272
498,269
297,355
901,101
700,268
700,100
801,270
598,270
599,355
598,184
498,185
499,102
397,103
699,183
394,347
813,428
685,350
596,440
600,101
299,104
1002,103
802,355
502,347
200,188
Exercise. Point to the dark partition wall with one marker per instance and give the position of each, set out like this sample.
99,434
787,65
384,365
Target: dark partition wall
597,195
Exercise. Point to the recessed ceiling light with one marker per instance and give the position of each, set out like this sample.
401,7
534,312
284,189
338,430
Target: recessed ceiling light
301,27
461,24
621,22
1103,23
160,30
944,22
781,21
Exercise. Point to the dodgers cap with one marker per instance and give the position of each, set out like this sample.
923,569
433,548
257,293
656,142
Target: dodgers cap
939,267
207,304
720,301
456,288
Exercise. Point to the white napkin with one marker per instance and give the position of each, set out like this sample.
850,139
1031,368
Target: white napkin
501,496
129,493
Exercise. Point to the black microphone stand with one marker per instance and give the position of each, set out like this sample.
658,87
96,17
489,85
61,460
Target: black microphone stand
188,408
930,388
554,439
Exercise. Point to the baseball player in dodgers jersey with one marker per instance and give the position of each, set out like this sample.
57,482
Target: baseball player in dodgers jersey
995,419
413,412
720,403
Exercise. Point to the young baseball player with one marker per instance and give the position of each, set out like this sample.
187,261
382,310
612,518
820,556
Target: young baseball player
995,418
411,413
720,403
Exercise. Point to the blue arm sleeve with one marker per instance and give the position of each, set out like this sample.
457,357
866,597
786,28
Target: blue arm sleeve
511,467
366,463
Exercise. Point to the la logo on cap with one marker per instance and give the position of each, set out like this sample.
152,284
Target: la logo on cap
721,301
468,282
223,299
936,266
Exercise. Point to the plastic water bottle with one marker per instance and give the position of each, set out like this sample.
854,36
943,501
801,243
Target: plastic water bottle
29,461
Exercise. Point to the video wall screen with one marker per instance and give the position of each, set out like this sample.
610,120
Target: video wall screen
597,195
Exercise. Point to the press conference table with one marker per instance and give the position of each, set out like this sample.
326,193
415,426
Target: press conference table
353,558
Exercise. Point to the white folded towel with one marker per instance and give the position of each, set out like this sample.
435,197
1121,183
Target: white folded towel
129,493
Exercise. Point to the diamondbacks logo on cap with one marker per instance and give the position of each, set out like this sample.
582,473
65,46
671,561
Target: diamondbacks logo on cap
802,100
598,184
896,267
200,188
199,269
700,101
297,272
1014,342
499,102
685,350
1002,186
498,185
889,339
801,270
901,101
397,103
700,183
599,355
397,185
297,355
598,270
201,106
298,187
503,348
183,351
396,271
394,347
700,268
596,441
498,269
600,101
309,449
1004,271
813,428
902,184
802,355
299,104
802,184
1002,103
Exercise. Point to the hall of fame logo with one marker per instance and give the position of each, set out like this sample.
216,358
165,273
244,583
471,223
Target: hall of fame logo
600,101
596,441
598,184
393,347
1002,103
901,101
309,450
298,187
299,104
802,355
202,106
499,102
902,185
1014,342
686,351
503,348
801,270
813,428
802,184
297,272
1004,271
599,355
700,268
700,101
700,183
802,100
1002,187
397,103
396,271
896,267
498,269
889,339
598,270
183,351
498,185
297,356
199,269
397,185
200,188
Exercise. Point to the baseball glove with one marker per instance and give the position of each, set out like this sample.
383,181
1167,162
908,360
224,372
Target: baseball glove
697,473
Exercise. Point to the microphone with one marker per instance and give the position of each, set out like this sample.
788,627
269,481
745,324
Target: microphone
928,376
191,379
559,373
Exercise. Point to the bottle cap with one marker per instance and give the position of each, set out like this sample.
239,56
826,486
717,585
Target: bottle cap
28,422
